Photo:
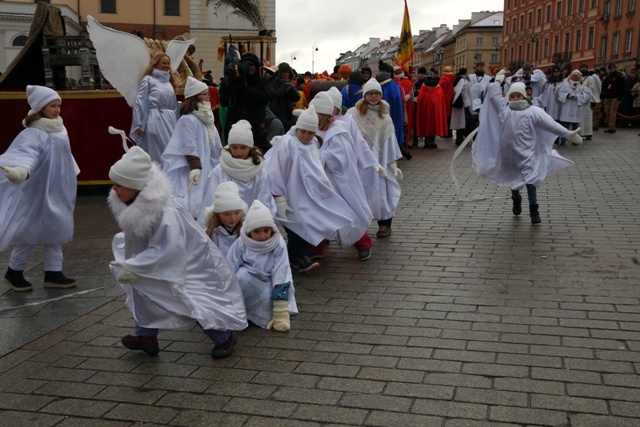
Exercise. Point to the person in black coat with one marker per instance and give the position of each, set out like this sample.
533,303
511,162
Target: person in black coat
612,93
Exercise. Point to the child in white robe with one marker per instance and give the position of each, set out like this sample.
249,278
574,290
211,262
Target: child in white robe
223,220
259,258
574,97
173,274
39,192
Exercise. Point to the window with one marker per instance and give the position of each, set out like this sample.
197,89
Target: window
495,41
41,1
590,38
618,7
567,38
494,58
559,10
578,40
614,46
581,6
172,7
556,44
546,48
632,5
530,19
479,41
107,6
19,41
594,4
569,7
548,13
477,57
539,16
521,22
514,26
627,41
506,27
603,47
508,4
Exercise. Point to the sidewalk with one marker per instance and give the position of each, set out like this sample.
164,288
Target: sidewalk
465,316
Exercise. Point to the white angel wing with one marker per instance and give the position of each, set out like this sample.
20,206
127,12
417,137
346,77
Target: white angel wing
176,50
122,57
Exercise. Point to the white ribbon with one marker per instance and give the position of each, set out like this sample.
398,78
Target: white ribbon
31,304
452,169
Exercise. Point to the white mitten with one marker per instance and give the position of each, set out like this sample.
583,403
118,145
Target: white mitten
282,207
380,170
194,174
280,320
500,76
16,175
573,136
396,172
124,275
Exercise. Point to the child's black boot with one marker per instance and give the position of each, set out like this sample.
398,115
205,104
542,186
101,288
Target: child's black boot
16,281
57,279
517,204
535,215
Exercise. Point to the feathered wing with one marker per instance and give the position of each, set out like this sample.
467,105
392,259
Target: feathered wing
176,50
122,57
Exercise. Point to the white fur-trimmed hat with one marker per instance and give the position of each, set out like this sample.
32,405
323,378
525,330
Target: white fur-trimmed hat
133,170
39,96
241,134
227,198
194,87
336,96
323,103
517,87
258,216
370,86
575,72
308,120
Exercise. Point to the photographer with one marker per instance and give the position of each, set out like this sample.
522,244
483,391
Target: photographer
283,95
246,94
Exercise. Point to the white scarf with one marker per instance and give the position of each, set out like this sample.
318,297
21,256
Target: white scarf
260,247
47,125
377,130
241,169
161,75
205,115
522,104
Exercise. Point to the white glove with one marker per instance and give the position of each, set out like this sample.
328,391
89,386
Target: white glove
396,172
380,170
280,320
124,275
194,174
573,137
500,76
16,175
282,207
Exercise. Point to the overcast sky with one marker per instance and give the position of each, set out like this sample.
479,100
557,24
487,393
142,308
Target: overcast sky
342,25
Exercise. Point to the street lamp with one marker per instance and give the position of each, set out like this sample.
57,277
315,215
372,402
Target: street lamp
314,49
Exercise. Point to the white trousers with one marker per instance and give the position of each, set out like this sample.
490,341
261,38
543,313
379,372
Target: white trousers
587,122
22,251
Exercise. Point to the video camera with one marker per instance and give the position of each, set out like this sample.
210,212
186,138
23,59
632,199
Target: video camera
233,66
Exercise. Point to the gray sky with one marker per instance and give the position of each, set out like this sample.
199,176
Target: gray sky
340,26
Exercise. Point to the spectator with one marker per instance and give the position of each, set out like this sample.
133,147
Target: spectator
612,92
283,94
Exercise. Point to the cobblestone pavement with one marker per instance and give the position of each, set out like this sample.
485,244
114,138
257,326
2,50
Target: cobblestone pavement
465,316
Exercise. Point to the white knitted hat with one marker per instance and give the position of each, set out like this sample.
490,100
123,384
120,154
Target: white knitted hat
241,134
517,87
323,103
227,198
577,72
39,96
258,216
370,86
336,96
133,170
194,87
308,120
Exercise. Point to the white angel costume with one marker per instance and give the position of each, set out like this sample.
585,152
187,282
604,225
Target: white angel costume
223,239
339,163
574,96
295,171
40,209
552,105
515,147
261,266
194,135
380,135
182,277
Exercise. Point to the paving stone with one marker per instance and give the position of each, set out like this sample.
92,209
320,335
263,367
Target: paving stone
527,416
142,414
450,409
351,385
28,419
78,407
336,415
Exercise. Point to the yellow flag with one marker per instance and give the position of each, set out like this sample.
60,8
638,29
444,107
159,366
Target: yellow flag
405,46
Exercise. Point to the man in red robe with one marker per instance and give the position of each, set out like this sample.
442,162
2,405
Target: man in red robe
432,112
446,83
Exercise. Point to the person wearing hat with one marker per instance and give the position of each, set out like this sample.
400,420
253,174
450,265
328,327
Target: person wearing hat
612,93
260,261
461,120
341,166
194,148
431,119
516,149
393,94
283,94
478,82
172,272
574,98
246,96
38,190
155,108
242,163
224,218
366,73
372,116
406,84
553,106
352,91
307,205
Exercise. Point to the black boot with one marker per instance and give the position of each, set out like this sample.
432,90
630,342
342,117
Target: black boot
16,281
57,279
535,215
517,204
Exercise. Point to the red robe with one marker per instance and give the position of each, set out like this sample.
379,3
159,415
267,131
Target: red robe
407,87
446,83
432,112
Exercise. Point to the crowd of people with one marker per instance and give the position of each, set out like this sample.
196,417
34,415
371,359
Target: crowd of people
214,216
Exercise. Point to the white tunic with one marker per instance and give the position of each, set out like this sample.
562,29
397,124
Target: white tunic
574,98
553,107
181,275
155,111
260,266
40,209
223,239
514,147
458,120
190,138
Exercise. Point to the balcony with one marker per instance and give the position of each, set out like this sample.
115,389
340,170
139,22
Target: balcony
561,57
